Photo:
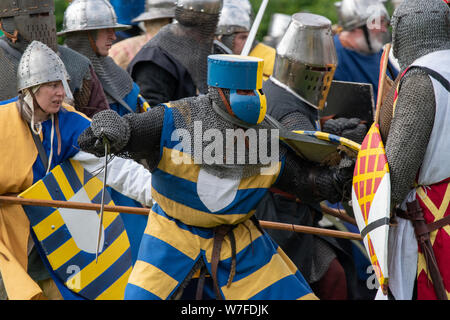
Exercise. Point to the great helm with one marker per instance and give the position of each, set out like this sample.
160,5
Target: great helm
237,73
85,15
234,17
157,9
306,59
353,14
39,65
32,20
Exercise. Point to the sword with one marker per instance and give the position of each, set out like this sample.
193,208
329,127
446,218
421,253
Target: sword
106,143
252,35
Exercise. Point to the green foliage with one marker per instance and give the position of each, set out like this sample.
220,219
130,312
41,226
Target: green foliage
322,7
60,7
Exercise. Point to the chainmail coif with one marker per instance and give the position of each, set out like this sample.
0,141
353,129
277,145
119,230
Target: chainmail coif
419,27
189,41
109,73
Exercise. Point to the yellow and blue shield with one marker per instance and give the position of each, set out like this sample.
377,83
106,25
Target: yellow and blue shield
68,237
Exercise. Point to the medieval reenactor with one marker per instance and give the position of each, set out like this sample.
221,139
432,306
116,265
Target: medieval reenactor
22,23
173,64
232,32
126,11
89,27
157,14
203,216
414,124
40,111
359,44
294,99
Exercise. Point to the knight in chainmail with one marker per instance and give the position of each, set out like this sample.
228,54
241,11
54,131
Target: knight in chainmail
233,30
92,34
203,216
173,64
363,32
414,125
21,25
295,102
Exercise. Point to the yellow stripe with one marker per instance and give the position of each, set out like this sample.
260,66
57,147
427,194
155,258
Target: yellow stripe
37,191
79,170
259,74
243,234
117,290
195,217
183,169
49,225
263,108
63,183
93,187
152,279
168,231
190,172
63,254
249,286
105,260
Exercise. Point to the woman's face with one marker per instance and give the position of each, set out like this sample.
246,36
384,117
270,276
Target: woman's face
50,97
104,40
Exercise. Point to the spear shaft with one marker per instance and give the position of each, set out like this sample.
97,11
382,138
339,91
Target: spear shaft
145,211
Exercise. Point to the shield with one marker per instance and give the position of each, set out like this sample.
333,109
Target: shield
315,146
350,100
68,237
371,191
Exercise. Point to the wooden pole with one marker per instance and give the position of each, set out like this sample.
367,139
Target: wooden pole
145,211
383,66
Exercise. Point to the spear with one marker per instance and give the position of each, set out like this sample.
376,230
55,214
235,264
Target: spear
145,211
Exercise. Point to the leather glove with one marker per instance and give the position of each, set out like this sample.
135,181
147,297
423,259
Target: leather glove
352,128
105,124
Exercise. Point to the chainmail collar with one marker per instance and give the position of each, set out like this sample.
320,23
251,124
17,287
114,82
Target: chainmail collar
198,113
116,81
189,45
418,28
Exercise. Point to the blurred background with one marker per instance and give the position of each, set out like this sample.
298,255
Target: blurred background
322,7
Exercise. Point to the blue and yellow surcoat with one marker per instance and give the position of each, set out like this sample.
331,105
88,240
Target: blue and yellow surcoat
179,232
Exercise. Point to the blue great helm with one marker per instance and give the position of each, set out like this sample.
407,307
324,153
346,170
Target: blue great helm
238,73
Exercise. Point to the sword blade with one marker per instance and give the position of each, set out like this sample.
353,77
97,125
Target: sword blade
105,174
252,34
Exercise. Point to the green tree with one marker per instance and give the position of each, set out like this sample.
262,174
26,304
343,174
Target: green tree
322,7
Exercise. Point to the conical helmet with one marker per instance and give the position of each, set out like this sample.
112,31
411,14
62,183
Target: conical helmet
234,17
39,65
306,58
84,15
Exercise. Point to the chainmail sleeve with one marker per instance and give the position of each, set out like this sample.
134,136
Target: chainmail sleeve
145,135
410,131
297,121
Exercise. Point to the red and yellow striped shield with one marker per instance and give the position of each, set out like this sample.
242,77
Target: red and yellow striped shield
371,201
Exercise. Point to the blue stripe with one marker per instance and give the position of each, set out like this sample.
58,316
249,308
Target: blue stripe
165,257
5,102
36,214
71,176
108,277
288,288
133,292
249,260
56,239
185,192
98,198
53,188
113,231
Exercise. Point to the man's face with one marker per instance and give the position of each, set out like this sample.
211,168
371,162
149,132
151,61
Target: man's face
104,40
239,42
